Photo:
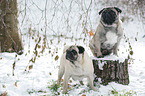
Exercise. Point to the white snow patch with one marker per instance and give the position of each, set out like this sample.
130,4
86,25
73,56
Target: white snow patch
111,57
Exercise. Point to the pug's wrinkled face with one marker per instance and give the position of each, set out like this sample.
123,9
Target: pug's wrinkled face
74,53
109,15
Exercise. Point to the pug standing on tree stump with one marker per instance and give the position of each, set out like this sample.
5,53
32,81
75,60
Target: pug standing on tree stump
75,63
108,33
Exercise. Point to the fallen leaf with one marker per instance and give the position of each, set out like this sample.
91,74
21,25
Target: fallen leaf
4,94
58,93
30,67
135,39
39,46
16,84
84,95
56,58
70,81
91,33
131,52
4,86
73,85
18,58
69,87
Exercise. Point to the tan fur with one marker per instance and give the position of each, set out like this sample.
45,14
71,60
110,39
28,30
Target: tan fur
95,43
82,68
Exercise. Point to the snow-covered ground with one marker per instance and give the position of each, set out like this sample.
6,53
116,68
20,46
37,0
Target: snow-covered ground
38,79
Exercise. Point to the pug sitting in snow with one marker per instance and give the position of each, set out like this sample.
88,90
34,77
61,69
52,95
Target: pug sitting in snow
75,63
108,33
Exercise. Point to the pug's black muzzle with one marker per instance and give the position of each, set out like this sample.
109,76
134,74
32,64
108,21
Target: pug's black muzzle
109,17
71,55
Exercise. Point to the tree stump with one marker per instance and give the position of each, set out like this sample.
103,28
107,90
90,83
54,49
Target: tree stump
111,70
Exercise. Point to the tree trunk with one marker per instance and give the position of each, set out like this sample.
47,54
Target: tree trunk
10,39
112,70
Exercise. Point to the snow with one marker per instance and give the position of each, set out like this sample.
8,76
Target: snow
45,69
109,57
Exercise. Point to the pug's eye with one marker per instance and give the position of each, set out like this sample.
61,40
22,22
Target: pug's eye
74,52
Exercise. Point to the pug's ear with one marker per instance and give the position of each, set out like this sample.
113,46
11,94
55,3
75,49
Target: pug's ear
101,11
118,10
81,49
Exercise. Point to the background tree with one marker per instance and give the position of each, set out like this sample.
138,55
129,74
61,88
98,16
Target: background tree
10,39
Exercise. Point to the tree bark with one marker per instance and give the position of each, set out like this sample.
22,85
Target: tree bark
112,70
10,39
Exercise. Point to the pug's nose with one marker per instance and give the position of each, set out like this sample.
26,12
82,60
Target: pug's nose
108,45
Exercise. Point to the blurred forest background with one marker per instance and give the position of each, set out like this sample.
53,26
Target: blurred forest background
57,21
